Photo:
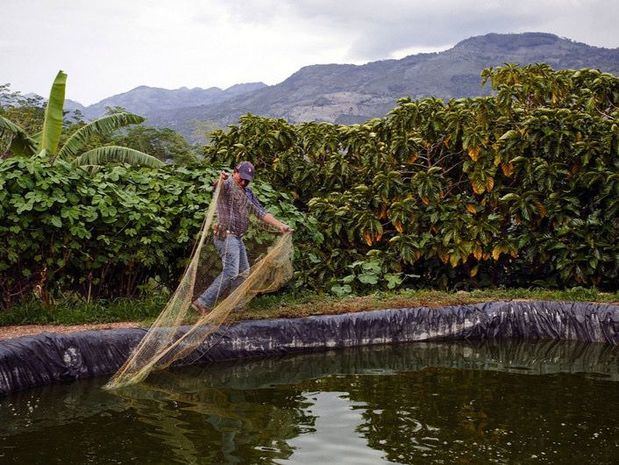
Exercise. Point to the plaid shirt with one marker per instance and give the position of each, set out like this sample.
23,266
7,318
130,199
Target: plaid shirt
233,207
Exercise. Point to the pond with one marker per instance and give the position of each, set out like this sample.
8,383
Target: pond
421,403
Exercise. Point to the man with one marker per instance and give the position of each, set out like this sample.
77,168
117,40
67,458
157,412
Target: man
236,201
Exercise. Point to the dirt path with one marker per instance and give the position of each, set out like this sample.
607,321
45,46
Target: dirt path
9,332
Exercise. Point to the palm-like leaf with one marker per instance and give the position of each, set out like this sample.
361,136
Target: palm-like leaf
91,169
52,124
36,137
113,153
101,126
20,142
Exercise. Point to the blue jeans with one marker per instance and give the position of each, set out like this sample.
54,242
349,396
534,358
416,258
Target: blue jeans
235,267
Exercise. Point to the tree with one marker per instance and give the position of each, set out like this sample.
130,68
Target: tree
26,111
163,143
46,143
515,188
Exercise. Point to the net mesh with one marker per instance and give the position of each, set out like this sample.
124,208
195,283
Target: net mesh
168,340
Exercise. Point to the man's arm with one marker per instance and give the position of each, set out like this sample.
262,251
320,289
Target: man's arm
265,216
270,219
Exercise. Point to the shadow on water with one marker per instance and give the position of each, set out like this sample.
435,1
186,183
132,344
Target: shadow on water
516,402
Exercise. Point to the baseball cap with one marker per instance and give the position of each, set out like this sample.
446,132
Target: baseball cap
246,170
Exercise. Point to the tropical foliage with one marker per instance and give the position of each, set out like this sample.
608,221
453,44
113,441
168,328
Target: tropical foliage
104,234
25,111
517,188
162,143
15,140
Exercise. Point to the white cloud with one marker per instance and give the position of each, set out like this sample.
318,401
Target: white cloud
112,46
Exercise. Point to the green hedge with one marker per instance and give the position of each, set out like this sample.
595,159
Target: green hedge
103,235
520,188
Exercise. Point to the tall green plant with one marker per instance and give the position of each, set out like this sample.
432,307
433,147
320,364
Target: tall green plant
46,143
52,124
518,188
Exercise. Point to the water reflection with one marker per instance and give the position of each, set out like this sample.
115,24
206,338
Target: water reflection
415,403
233,426
336,434
547,357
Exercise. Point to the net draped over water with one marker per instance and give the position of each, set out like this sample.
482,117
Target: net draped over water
168,340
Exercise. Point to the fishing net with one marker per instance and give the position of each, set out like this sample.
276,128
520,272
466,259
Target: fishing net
168,339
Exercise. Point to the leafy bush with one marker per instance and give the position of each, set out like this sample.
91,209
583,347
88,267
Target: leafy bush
104,235
518,189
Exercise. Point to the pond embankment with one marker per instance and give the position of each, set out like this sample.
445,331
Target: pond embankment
51,357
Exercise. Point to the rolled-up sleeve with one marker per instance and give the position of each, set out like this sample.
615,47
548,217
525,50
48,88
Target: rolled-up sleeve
254,204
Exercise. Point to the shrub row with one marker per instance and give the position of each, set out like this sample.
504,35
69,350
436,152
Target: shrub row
520,188
517,189
103,235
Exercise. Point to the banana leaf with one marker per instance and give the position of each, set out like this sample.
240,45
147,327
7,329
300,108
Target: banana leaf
52,124
20,143
115,154
101,126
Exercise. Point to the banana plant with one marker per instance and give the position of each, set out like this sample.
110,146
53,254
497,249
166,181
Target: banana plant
46,143
14,139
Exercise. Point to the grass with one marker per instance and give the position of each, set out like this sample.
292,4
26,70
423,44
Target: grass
319,304
144,310
75,312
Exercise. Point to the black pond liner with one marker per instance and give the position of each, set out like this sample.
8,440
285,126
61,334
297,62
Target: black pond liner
31,361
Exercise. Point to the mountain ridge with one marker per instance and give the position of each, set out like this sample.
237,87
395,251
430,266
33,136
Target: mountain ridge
349,93
346,93
144,100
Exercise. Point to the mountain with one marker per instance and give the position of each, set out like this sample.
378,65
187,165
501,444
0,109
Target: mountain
149,101
345,93
72,105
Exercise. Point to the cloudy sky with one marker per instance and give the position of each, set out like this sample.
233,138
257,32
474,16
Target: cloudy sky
112,46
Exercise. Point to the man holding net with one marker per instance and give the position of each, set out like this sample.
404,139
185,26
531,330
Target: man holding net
236,201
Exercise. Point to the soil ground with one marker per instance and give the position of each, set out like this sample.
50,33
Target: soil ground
9,332
266,308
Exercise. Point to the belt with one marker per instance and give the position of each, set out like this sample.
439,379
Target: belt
221,232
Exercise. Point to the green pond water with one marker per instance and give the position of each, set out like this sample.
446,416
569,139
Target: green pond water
511,403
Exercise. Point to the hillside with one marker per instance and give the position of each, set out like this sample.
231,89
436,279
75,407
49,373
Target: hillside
149,101
347,93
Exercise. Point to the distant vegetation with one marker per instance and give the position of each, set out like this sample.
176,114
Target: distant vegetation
517,189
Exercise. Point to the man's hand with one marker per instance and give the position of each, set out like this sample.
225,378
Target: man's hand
284,228
222,177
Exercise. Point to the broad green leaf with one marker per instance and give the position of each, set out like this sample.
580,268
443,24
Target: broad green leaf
115,154
341,291
52,124
102,126
509,135
20,143
368,278
509,197
393,280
